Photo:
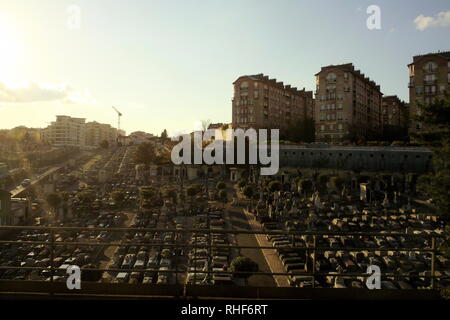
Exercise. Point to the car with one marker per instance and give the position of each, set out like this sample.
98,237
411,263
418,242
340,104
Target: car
122,277
139,264
25,182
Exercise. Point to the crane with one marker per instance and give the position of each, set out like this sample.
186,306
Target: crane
119,114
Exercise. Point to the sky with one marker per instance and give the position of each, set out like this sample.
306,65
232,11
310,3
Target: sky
168,64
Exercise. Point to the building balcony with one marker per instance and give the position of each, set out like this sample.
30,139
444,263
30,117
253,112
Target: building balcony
430,82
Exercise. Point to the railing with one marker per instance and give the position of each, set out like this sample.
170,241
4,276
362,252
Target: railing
11,286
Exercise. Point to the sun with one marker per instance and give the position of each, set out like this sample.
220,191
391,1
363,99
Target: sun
10,51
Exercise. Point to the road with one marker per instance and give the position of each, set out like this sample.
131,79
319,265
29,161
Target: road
108,254
270,255
19,189
239,222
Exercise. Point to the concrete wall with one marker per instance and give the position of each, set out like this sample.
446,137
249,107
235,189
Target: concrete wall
351,158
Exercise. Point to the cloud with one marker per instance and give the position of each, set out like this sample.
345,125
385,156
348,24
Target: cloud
33,92
442,19
43,92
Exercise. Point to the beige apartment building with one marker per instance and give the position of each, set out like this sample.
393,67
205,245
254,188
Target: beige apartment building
347,105
429,78
75,132
66,132
263,103
394,116
98,132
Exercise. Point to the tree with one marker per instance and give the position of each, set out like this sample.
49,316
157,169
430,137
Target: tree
104,144
192,191
145,154
274,185
87,197
223,195
147,193
248,191
242,183
337,183
118,196
170,193
436,135
243,264
164,135
221,185
305,185
53,200
162,158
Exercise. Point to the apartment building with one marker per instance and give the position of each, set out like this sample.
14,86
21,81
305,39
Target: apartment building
429,78
394,117
263,103
347,105
98,132
66,132
75,132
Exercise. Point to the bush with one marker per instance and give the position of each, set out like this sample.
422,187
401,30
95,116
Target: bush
248,191
306,185
275,186
243,264
221,185
223,195
337,183
242,183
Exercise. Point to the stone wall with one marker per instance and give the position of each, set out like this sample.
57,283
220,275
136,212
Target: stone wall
397,159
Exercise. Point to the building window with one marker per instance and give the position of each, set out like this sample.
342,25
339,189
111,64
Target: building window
431,66
244,85
419,90
331,77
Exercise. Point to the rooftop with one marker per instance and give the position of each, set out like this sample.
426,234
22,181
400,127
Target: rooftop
351,68
274,83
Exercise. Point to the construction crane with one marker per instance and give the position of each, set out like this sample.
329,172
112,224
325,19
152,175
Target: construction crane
119,114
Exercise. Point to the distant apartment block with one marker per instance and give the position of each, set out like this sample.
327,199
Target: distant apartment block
98,132
263,103
347,103
75,132
394,116
66,132
429,78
